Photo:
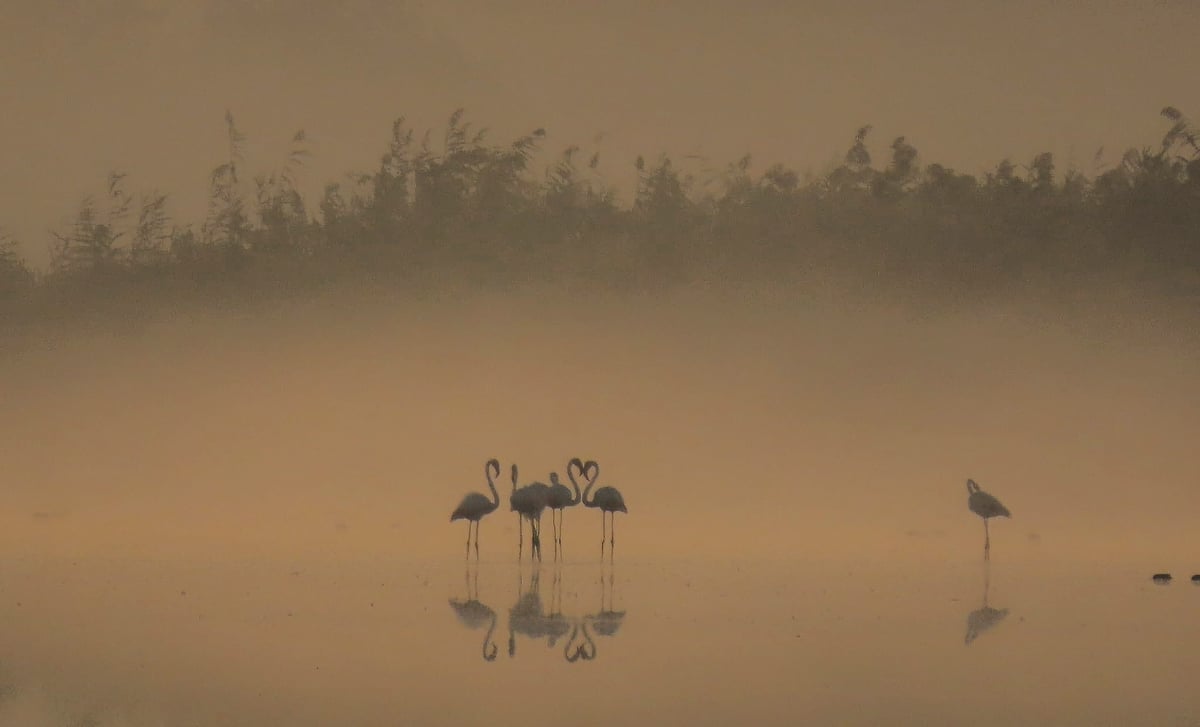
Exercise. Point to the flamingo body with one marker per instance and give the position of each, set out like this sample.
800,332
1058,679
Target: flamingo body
985,506
529,502
473,507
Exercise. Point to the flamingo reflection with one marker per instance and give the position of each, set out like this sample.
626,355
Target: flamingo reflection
473,614
528,616
557,625
605,622
984,618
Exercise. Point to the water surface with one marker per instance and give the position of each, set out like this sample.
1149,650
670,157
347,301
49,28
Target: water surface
640,641
243,519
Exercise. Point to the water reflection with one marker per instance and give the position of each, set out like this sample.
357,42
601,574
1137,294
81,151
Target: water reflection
474,614
605,622
557,624
527,617
530,618
984,618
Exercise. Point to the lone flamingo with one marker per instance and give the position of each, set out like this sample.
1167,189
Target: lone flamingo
608,499
559,497
985,506
475,505
528,502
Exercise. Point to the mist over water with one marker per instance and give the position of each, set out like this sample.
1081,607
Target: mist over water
271,296
736,421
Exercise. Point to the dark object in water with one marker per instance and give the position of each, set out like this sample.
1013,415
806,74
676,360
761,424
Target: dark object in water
1196,579
1161,577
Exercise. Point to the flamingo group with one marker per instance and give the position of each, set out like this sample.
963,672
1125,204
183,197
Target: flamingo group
531,500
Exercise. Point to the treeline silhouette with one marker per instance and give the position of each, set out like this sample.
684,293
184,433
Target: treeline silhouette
458,208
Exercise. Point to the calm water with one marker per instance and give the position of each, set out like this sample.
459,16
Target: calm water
244,520
378,642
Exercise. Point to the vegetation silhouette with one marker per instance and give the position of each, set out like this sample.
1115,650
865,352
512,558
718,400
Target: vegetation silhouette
460,209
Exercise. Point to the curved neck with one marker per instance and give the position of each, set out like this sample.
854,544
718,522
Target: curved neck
488,637
575,484
492,483
587,642
595,469
514,478
571,658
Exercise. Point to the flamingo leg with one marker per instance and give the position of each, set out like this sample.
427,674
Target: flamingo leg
476,539
520,536
603,532
536,527
468,539
554,532
987,540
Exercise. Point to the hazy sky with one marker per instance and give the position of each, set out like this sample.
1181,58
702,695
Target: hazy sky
142,85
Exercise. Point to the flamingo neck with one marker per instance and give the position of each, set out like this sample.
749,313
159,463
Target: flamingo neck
492,483
591,483
575,484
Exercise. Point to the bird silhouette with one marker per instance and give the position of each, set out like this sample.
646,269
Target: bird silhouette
473,614
559,497
528,502
984,618
985,506
608,499
475,505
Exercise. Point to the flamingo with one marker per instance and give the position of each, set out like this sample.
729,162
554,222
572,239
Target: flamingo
559,497
475,505
528,502
985,506
608,499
